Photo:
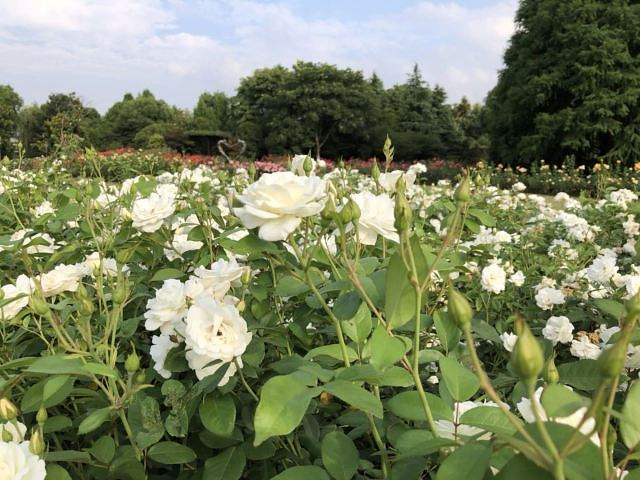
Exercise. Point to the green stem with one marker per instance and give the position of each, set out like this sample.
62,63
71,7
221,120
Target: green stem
558,472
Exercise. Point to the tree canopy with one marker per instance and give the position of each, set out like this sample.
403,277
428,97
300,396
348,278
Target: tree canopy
570,88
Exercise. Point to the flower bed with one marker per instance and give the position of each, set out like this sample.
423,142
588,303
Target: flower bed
205,324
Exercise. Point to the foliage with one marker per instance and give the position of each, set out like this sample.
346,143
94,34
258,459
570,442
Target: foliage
570,85
10,104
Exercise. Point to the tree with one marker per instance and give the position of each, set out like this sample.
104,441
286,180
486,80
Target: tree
10,104
308,107
213,113
129,116
571,84
421,123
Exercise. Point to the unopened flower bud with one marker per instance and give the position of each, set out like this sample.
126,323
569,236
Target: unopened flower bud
611,361
402,213
550,372
460,309
82,292
1,294
401,186
241,306
123,255
8,410
527,357
463,191
307,165
252,171
375,171
7,436
329,210
119,295
140,377
356,212
245,278
132,363
86,307
36,443
42,415
341,163
38,305
346,215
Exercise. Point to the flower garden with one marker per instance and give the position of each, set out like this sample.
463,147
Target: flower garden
196,322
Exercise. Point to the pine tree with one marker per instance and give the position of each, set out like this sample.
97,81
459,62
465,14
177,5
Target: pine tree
571,84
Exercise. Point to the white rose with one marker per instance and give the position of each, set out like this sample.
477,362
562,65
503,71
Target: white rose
455,429
584,349
109,265
297,164
493,278
526,408
180,245
278,201
388,180
63,278
376,217
166,310
219,278
18,463
43,209
23,286
148,214
547,297
508,340
48,246
602,269
558,330
517,278
161,345
214,331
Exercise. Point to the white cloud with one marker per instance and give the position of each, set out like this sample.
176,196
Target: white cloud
179,49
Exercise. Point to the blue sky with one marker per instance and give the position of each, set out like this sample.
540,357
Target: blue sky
180,48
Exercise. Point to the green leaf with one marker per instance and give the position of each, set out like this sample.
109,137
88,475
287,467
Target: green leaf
522,468
32,399
469,462
289,286
68,456
218,414
283,402
355,396
488,418
333,351
446,329
615,309
145,420
93,421
583,374
408,405
460,382
103,449
52,386
56,472
486,219
171,453
228,465
560,401
358,328
339,455
307,472
630,427
166,274
385,349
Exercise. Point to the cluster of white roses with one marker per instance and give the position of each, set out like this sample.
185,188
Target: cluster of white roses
17,460
200,314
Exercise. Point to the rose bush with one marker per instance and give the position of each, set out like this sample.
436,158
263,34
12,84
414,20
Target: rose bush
196,324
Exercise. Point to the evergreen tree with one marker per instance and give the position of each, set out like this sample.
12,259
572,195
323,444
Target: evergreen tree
10,103
571,84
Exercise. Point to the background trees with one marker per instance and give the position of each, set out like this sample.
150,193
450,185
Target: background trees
571,84
10,103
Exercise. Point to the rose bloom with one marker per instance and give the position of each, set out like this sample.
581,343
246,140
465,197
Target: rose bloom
583,348
388,180
63,278
18,463
23,286
297,164
167,308
493,278
376,217
547,297
517,278
161,345
220,277
558,330
148,214
214,331
278,202
509,340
